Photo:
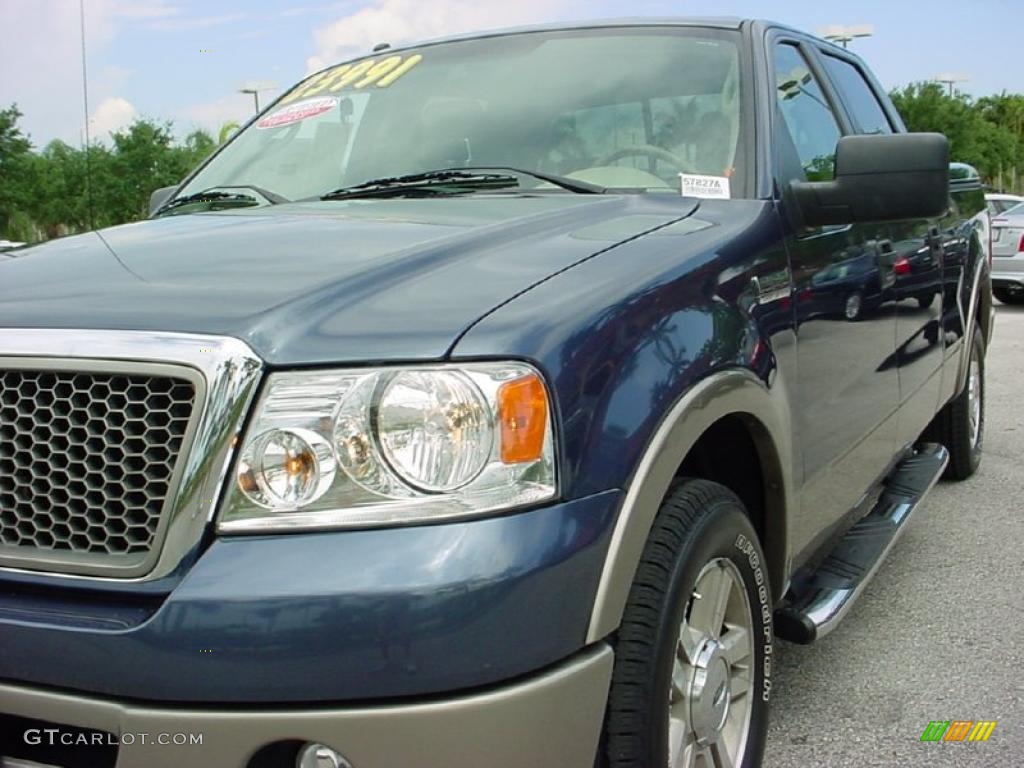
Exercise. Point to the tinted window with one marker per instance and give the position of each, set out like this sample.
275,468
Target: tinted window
867,112
812,125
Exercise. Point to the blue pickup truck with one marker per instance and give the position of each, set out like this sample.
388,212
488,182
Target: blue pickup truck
492,401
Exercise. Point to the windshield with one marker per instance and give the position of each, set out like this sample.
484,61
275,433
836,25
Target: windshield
619,108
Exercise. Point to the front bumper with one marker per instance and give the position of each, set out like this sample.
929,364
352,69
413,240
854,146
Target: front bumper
551,719
326,617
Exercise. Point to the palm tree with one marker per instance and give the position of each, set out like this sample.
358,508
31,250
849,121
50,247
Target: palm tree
226,131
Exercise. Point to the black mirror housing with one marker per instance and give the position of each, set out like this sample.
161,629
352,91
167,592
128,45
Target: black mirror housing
889,177
160,196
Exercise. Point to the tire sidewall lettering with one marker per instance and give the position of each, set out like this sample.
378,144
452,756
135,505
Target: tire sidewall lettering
747,549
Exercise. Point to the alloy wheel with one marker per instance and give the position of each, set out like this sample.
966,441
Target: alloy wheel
712,676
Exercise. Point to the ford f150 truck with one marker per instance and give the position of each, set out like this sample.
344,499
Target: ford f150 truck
493,401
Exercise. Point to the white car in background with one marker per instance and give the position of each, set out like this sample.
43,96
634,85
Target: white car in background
1008,255
999,204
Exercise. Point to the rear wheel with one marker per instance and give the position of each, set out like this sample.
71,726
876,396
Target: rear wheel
960,425
1007,296
692,672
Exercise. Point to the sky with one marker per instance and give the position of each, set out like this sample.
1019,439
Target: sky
186,60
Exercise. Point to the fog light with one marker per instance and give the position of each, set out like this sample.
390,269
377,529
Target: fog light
320,756
286,468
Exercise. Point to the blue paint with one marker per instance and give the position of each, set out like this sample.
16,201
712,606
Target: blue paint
334,616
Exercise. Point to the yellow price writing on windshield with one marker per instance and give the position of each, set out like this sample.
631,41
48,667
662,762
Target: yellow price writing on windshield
380,72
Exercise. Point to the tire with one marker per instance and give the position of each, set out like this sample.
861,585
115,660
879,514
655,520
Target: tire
953,424
923,302
1007,296
701,535
853,307
1003,294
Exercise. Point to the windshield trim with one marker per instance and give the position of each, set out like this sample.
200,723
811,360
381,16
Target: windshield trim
711,23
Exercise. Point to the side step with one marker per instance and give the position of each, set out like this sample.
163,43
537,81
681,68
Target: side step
825,597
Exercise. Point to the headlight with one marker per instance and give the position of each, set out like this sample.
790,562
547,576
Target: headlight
389,446
435,429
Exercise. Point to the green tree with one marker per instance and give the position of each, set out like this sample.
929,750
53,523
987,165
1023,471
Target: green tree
16,169
985,143
226,131
198,146
1007,110
47,194
144,159
60,205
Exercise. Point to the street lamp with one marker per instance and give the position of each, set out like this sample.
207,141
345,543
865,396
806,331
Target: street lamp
255,96
950,79
837,33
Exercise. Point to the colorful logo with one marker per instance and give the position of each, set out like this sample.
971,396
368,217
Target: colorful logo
958,730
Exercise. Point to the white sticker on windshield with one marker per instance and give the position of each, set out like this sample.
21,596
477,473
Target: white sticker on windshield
695,185
301,110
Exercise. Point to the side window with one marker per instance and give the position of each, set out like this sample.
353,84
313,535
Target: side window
858,94
813,128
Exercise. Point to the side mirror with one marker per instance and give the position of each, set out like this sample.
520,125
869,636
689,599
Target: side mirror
880,178
159,197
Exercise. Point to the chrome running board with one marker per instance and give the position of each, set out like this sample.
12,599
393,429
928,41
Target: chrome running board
813,610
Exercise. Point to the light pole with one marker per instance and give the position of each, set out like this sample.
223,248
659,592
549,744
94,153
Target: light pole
837,33
950,79
255,96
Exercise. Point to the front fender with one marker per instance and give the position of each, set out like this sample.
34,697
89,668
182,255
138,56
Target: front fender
727,393
645,346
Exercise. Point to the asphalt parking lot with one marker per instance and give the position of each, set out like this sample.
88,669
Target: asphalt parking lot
939,634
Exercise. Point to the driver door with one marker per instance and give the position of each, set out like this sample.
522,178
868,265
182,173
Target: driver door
847,390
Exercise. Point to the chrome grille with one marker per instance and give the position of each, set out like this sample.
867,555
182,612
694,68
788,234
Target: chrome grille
87,460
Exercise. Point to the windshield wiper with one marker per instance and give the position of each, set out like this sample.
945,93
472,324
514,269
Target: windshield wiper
423,184
429,183
573,185
214,195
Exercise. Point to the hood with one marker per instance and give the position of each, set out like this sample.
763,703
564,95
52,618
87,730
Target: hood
361,280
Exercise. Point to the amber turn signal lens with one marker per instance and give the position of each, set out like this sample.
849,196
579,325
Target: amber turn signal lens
523,410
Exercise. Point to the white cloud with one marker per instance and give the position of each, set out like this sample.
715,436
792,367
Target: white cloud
111,115
260,85
211,115
402,21
175,23
146,9
305,10
231,108
41,62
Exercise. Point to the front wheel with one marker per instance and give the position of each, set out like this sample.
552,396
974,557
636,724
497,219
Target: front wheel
854,306
692,671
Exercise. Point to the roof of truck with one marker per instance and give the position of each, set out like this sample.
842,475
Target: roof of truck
714,22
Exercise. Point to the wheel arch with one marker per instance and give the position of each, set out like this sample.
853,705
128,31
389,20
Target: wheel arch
979,312
735,397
